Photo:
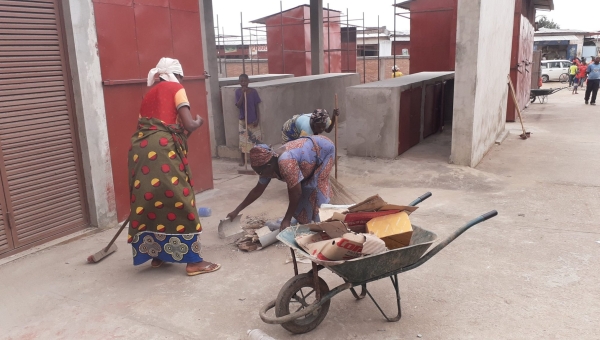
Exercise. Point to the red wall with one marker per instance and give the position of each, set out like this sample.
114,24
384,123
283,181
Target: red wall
432,35
296,58
398,46
132,37
522,50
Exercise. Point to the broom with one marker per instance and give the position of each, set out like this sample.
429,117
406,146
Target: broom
340,195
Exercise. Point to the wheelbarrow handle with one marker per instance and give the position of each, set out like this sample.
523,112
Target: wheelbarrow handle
450,238
420,199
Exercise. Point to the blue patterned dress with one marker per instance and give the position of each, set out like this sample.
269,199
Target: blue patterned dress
308,161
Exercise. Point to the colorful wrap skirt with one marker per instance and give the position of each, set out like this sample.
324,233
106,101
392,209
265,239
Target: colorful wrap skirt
164,222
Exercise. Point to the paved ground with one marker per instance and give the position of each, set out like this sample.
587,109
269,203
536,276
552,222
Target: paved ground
533,272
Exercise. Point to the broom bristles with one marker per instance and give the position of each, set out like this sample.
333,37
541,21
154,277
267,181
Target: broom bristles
341,195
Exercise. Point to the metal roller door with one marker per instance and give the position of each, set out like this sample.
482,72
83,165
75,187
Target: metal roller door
41,182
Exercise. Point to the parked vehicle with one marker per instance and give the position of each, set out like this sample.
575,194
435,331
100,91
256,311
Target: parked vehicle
555,70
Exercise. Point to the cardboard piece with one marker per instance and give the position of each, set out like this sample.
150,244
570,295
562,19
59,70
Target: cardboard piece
395,230
332,228
372,203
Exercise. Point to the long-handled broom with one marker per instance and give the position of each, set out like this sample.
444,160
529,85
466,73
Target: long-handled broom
110,248
340,195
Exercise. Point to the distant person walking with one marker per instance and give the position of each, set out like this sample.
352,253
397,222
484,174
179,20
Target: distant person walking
396,72
573,71
581,75
593,82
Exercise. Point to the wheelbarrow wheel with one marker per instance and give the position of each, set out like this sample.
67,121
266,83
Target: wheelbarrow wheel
296,294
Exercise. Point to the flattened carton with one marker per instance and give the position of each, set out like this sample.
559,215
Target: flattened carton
395,230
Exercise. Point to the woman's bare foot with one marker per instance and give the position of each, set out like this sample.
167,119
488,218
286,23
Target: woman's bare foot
156,263
201,268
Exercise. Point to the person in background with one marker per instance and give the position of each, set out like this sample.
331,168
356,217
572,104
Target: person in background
308,124
593,82
164,224
573,71
396,72
249,135
581,75
575,83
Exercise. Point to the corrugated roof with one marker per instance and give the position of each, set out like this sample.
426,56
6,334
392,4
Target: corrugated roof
405,5
544,4
554,37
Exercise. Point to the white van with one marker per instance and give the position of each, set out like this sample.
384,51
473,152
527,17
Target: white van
555,70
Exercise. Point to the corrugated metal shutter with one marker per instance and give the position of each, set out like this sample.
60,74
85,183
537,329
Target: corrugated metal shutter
4,237
44,190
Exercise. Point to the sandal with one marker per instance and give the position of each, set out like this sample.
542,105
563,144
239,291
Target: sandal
208,269
156,263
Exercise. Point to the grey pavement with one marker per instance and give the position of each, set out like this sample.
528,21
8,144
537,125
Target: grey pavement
533,272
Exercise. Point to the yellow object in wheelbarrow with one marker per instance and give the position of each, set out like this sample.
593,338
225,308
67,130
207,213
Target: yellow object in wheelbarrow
395,230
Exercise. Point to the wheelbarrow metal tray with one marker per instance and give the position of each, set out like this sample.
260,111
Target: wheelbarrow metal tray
372,267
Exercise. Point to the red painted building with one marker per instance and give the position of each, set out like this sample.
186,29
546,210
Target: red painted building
433,41
288,41
132,37
432,34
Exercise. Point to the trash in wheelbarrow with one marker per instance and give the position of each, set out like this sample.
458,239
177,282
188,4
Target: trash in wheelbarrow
348,246
358,215
332,241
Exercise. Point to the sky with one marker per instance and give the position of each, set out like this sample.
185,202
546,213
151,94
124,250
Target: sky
584,17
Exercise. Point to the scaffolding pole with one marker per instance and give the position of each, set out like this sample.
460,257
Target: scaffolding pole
328,42
364,51
249,51
224,54
393,42
347,41
378,49
219,44
243,55
282,48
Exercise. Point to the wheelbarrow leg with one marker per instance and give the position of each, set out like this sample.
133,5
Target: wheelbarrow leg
363,292
394,279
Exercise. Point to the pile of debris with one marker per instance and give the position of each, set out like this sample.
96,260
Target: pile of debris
249,242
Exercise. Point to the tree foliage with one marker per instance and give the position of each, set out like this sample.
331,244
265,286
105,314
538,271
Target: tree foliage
544,22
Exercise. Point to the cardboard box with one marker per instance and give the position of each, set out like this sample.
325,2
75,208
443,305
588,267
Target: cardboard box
395,230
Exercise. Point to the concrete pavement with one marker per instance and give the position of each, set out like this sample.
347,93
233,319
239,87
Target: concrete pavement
533,272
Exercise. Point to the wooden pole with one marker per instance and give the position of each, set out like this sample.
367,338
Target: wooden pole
514,97
335,138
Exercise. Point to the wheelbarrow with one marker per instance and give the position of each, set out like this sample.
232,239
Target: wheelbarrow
542,94
303,301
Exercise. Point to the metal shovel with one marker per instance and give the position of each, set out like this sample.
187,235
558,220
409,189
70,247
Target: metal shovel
229,228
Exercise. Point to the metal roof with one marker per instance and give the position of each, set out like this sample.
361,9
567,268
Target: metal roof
405,4
544,4
554,37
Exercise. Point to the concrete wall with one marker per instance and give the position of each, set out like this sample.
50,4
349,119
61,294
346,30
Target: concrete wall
373,113
482,67
89,108
281,99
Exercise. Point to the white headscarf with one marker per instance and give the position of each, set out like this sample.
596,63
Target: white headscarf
166,69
